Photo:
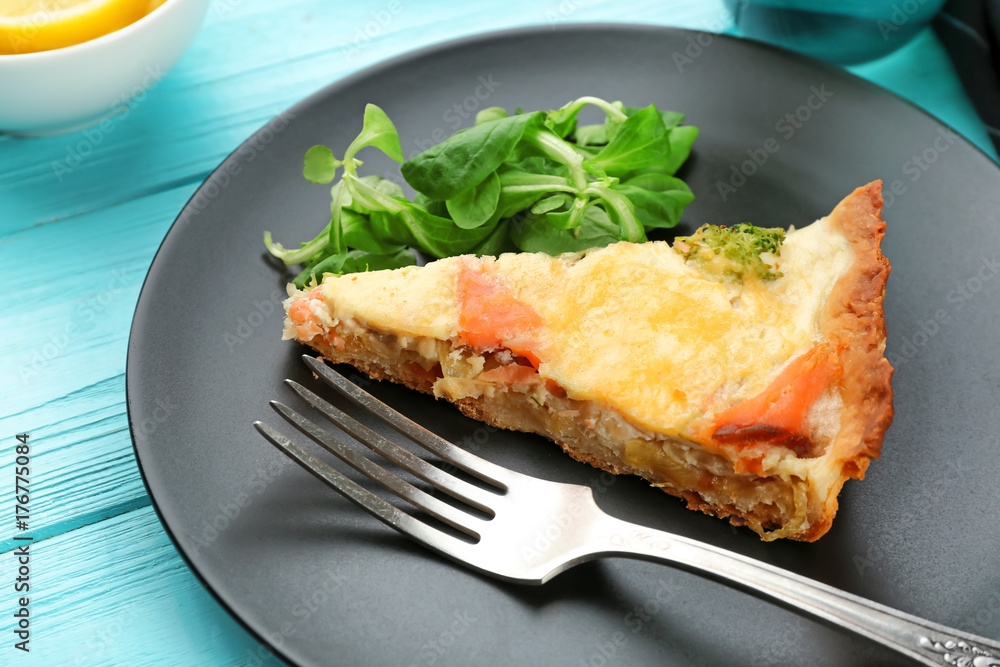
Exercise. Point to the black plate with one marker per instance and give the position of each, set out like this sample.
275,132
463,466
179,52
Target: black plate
325,583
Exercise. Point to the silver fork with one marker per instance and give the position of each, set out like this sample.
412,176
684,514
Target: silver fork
536,529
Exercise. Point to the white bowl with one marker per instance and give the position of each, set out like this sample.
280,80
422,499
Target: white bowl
66,89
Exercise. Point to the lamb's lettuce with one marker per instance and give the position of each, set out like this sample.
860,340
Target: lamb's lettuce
536,182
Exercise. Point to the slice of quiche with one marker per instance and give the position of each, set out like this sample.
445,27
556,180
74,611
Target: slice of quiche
739,369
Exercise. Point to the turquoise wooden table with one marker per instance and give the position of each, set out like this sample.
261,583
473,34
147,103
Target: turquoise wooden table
81,216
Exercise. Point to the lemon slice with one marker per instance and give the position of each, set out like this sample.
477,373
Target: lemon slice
27,26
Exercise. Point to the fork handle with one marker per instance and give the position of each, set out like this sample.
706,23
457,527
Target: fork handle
926,642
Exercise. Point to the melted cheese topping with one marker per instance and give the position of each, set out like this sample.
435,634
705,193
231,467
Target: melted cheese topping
412,301
631,326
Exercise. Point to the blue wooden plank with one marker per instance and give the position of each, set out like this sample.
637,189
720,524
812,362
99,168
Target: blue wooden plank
70,290
117,593
82,467
66,387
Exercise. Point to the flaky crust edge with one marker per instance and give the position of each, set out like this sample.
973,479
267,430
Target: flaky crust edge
854,318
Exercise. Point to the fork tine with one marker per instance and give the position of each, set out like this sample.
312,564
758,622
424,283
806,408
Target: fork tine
453,516
470,463
384,511
442,480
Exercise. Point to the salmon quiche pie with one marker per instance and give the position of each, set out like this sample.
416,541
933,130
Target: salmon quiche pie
740,369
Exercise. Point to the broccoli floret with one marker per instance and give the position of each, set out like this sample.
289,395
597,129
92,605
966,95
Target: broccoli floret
734,252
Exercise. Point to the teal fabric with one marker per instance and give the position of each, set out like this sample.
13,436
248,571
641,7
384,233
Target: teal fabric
81,217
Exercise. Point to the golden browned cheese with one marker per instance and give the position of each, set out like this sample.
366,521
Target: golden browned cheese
629,325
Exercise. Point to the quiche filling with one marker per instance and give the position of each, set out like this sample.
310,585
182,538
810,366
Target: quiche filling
738,392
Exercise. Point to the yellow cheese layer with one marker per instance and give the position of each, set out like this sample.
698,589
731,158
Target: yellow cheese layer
631,326
412,301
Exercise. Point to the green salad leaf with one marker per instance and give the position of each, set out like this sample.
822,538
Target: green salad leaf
474,207
658,199
467,157
319,165
536,234
377,131
640,142
527,181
